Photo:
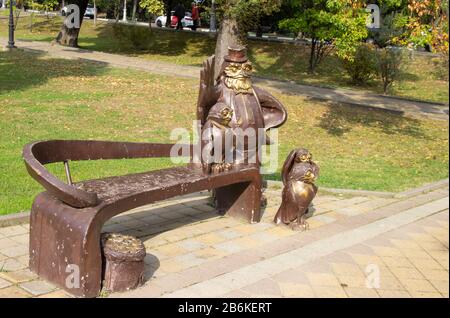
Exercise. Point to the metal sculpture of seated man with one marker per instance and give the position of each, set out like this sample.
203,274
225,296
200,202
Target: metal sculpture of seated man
234,114
299,173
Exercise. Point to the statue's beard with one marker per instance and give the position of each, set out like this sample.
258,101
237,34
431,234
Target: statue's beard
239,84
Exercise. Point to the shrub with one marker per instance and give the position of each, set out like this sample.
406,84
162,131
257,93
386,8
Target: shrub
441,65
137,37
388,63
362,66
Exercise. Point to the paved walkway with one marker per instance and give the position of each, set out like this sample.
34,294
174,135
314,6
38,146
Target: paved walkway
357,246
338,95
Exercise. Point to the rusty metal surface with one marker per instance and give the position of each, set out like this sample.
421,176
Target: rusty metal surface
298,174
38,153
61,235
230,105
123,262
66,220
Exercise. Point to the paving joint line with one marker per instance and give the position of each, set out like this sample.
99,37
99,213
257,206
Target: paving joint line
321,248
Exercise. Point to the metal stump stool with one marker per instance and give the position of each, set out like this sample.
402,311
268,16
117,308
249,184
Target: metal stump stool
123,257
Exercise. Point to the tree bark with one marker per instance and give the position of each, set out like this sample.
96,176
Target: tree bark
168,13
69,36
228,36
312,56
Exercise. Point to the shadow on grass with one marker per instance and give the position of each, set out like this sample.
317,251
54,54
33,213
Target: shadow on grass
156,41
338,120
46,25
404,75
290,61
21,70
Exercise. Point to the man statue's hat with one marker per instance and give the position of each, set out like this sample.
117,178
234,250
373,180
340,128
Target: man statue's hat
236,54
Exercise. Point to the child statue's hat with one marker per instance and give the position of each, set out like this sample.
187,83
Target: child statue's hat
236,54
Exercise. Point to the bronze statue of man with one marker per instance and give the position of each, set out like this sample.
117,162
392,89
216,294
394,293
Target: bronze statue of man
231,104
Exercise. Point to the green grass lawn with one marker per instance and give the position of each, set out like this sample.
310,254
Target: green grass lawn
420,76
48,98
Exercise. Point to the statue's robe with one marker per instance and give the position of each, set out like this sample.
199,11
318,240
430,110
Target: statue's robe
256,109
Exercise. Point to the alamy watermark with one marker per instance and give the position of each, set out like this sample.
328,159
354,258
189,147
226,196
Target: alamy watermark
216,145
372,276
73,280
373,20
73,16
72,19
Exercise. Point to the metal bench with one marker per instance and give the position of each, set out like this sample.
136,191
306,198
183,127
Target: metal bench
66,220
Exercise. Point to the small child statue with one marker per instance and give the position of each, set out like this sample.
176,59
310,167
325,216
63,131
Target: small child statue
299,173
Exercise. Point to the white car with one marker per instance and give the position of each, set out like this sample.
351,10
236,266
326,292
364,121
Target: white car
186,21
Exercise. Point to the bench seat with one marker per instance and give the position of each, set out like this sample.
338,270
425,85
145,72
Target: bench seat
66,220
116,188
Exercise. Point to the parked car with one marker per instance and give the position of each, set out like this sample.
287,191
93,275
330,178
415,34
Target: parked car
90,12
186,21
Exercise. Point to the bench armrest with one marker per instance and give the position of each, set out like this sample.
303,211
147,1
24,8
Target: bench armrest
39,153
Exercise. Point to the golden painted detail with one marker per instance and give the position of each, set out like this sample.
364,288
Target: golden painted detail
226,114
238,77
302,189
304,158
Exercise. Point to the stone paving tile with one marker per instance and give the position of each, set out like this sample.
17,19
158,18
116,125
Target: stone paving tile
329,292
323,279
229,247
7,243
15,251
4,283
38,287
19,276
21,239
296,290
13,230
14,292
236,294
56,294
11,264
264,288
193,244
441,285
361,292
393,293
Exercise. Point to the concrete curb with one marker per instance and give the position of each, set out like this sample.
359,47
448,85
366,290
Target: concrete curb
423,189
14,219
23,217
380,194
401,98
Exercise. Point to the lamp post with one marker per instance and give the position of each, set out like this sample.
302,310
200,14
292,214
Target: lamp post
11,26
212,20
124,18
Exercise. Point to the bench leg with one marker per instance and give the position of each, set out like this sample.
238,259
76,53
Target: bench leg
241,200
65,246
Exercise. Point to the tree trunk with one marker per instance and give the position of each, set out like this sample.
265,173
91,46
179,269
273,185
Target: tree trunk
133,13
168,13
228,36
95,14
69,36
259,31
312,56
